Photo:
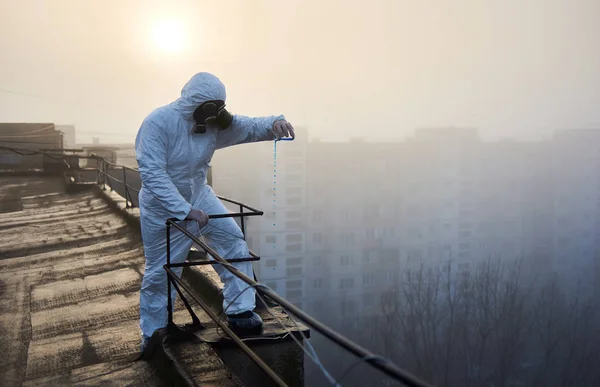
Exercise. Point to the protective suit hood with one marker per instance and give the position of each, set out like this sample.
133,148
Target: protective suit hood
200,88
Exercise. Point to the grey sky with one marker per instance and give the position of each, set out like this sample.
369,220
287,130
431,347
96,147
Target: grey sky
340,68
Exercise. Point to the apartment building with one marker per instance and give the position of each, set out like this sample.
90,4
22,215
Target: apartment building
351,217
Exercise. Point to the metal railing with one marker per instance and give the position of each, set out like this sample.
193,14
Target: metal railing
107,179
375,361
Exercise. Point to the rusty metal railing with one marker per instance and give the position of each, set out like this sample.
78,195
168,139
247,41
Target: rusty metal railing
375,361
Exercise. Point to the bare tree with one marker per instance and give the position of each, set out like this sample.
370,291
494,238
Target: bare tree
489,327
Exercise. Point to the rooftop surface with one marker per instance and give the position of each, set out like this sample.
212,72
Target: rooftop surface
70,274
70,271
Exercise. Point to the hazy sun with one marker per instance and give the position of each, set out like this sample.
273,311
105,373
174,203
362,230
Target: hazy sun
169,36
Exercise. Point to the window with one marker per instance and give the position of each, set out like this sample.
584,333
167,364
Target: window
293,248
317,237
293,224
370,234
272,285
318,283
293,238
369,278
270,239
317,215
390,277
293,271
347,238
293,191
345,260
294,293
370,256
346,215
293,201
318,260
294,214
295,284
388,255
346,283
271,263
295,261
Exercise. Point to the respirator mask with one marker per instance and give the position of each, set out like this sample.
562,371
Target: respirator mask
212,112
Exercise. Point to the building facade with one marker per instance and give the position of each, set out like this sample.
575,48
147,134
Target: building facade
351,218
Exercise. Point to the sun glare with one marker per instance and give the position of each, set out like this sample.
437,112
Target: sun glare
169,36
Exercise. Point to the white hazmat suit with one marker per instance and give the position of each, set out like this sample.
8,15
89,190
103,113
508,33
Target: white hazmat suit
173,163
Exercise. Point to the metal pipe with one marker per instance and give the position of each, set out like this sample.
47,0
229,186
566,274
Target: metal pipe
169,308
238,203
126,191
235,215
195,320
385,366
118,165
115,179
103,175
242,221
259,362
211,262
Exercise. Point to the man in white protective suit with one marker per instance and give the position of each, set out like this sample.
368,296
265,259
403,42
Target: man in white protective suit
174,146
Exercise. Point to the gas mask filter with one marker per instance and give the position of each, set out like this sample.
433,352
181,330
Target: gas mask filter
212,112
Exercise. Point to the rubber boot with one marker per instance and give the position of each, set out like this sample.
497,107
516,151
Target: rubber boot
245,324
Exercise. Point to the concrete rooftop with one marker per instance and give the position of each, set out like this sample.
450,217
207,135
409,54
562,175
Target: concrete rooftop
70,273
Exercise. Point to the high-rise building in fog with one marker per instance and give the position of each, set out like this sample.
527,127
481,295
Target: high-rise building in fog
351,217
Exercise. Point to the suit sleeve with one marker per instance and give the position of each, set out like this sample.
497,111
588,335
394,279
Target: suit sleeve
244,130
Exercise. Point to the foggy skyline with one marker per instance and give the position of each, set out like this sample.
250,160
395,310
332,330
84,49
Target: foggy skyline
337,68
